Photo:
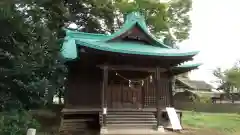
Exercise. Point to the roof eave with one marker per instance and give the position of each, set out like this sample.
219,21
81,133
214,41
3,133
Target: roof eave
184,68
98,47
188,65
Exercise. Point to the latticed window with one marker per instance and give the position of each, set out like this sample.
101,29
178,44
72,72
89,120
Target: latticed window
149,100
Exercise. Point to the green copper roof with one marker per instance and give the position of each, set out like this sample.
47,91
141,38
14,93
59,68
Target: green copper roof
134,48
136,19
83,35
103,42
184,68
189,65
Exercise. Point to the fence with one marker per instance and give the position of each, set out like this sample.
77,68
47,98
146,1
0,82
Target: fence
207,107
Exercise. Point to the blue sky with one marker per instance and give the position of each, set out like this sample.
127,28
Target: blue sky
215,33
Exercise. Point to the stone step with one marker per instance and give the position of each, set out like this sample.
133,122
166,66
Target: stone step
129,118
135,131
131,122
141,114
130,125
131,112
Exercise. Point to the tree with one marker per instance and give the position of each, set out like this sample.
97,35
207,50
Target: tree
222,79
95,16
233,76
169,21
31,69
219,74
228,79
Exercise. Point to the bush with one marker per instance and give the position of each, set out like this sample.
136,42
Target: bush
16,122
205,99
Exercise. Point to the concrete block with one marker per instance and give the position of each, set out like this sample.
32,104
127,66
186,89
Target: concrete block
31,131
103,130
160,129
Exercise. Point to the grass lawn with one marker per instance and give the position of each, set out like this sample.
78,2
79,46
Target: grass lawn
217,123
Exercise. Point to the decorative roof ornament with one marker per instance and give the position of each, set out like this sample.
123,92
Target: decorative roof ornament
73,26
135,17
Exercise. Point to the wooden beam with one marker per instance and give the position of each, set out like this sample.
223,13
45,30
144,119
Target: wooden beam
131,68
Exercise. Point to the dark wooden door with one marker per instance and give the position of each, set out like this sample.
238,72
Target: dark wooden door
123,96
132,97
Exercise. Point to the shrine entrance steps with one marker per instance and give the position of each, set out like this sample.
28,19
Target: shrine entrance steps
129,120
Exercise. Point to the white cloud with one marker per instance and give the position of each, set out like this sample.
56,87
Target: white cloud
215,33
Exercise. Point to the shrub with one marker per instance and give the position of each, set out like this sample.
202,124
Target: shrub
205,99
16,122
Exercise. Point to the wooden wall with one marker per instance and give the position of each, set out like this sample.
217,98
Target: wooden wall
165,90
84,87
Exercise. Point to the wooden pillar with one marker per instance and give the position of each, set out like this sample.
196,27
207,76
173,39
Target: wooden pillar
157,94
104,95
171,89
122,92
143,88
66,91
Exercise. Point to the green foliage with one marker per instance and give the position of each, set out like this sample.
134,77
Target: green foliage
168,20
205,99
31,70
228,78
233,76
178,18
95,16
220,75
155,12
16,123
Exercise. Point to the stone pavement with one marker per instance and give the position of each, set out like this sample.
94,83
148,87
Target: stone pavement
135,132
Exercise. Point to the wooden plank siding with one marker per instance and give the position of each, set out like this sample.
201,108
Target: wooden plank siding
84,90
84,87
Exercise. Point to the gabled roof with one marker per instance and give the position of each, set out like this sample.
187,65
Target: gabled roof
194,84
105,42
135,19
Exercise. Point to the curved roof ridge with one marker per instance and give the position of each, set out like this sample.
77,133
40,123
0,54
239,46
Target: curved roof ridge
68,31
132,19
79,34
